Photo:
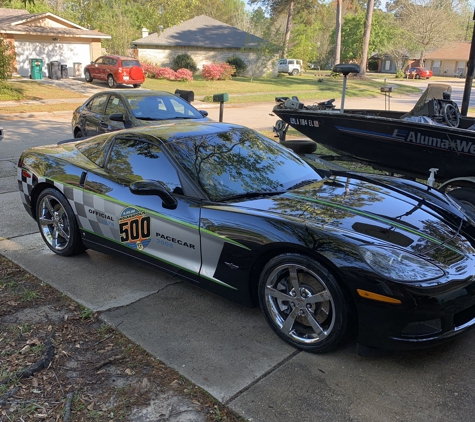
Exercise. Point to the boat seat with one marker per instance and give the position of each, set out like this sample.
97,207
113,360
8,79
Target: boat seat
346,68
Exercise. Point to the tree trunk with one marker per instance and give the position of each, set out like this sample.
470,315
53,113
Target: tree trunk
287,28
366,36
338,33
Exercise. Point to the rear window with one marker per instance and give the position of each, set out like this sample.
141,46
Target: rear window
130,63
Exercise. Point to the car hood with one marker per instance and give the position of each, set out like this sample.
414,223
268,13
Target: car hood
378,210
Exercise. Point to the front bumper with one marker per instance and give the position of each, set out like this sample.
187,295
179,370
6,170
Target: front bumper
429,315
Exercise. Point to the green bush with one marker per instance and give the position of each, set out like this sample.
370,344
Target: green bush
239,65
184,61
7,58
400,74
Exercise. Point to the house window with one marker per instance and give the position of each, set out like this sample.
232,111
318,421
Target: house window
460,68
436,67
387,65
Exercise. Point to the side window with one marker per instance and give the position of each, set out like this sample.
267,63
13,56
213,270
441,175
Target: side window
291,62
99,60
136,159
97,104
114,105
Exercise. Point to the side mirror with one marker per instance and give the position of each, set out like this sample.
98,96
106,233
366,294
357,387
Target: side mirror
204,113
117,117
153,187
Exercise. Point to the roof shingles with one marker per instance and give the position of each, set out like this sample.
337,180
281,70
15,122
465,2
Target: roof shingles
202,31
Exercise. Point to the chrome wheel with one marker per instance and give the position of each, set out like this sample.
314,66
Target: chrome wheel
87,76
111,81
57,223
303,303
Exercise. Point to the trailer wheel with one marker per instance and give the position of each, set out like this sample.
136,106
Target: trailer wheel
466,198
300,146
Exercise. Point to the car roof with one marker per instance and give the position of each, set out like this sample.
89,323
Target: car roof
172,131
136,93
119,57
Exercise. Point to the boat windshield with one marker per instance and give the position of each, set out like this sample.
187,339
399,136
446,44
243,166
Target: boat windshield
433,92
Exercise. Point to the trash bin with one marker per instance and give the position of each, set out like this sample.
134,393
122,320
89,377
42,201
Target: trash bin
54,70
77,70
36,68
64,71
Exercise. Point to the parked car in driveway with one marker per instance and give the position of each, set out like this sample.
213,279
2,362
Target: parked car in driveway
324,253
119,109
290,66
419,72
115,70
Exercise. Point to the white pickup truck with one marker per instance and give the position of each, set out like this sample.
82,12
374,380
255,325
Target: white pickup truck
290,66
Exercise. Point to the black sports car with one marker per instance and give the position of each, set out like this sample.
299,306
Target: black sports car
126,108
324,254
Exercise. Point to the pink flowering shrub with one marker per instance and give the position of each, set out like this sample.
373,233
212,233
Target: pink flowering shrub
165,73
217,71
149,69
184,75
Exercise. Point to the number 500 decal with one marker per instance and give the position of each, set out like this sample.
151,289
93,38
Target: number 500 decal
134,228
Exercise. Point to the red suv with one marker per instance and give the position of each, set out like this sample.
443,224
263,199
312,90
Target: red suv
115,70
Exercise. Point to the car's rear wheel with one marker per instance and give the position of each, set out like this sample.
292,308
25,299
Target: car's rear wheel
303,303
295,72
111,81
87,76
418,77
57,223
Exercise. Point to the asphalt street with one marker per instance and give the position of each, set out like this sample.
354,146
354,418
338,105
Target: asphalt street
226,349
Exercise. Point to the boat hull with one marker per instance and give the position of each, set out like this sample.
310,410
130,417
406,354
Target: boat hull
384,141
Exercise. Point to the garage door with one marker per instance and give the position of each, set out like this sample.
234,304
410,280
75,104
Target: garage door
66,53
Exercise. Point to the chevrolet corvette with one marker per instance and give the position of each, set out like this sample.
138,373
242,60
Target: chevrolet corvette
327,255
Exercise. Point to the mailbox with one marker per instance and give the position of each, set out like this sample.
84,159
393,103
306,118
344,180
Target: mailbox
186,95
387,89
220,98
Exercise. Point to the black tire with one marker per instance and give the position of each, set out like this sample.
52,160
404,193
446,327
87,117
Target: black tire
111,81
57,223
303,303
300,146
418,77
87,76
466,198
295,72
137,85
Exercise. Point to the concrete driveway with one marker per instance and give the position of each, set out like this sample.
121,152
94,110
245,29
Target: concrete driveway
226,349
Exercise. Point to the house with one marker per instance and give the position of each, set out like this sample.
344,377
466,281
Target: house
205,39
50,38
450,60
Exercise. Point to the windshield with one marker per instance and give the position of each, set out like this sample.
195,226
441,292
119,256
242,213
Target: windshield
240,162
162,107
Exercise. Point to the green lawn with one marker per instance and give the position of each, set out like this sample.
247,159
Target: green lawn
308,86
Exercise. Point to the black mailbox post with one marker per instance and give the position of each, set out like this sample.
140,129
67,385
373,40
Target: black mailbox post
221,99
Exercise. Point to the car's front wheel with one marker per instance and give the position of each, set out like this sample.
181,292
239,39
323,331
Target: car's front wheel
57,223
87,76
111,81
418,77
303,303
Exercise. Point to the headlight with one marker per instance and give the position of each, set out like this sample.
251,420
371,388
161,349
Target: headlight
398,265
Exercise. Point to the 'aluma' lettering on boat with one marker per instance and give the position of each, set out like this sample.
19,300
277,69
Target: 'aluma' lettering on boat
462,146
